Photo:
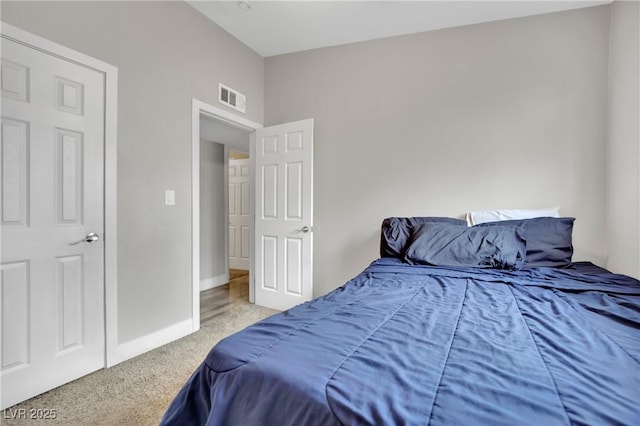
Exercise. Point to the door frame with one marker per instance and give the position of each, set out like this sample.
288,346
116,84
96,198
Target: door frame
199,108
110,236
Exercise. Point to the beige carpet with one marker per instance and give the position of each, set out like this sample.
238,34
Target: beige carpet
137,391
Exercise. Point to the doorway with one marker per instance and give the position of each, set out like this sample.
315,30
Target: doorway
219,137
282,176
225,210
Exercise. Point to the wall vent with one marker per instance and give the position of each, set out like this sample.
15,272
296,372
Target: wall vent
232,98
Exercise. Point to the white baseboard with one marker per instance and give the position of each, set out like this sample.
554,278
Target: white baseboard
235,263
151,341
208,283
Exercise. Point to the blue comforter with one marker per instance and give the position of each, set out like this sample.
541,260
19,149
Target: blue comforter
403,344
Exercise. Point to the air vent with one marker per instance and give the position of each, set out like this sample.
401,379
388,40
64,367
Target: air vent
232,98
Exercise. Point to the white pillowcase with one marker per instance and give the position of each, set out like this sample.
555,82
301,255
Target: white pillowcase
477,217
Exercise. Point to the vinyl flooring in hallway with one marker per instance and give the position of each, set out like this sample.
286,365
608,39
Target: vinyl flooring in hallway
218,300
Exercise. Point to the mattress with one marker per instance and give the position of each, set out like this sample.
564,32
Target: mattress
424,345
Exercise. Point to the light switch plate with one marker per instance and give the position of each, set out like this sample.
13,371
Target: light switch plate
169,197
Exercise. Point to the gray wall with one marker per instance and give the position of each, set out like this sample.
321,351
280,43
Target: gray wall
623,186
213,244
167,53
509,114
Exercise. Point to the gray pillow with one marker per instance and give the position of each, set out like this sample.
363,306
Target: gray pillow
442,244
396,232
549,239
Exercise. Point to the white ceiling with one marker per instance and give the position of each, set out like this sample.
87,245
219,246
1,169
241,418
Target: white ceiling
276,27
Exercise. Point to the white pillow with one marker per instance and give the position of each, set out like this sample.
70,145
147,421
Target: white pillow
474,218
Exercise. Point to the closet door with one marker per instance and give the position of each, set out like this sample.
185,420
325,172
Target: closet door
52,261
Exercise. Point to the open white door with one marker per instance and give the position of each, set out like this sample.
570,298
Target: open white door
239,213
52,221
283,241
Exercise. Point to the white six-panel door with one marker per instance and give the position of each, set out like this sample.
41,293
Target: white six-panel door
239,213
52,290
284,214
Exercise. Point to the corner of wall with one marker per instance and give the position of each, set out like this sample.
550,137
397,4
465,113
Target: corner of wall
623,140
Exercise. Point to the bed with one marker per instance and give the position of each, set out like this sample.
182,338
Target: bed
452,325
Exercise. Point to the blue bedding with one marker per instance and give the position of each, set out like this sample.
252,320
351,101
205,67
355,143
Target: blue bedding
424,345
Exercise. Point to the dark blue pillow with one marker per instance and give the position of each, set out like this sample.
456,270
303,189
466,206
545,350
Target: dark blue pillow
442,244
396,232
549,239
